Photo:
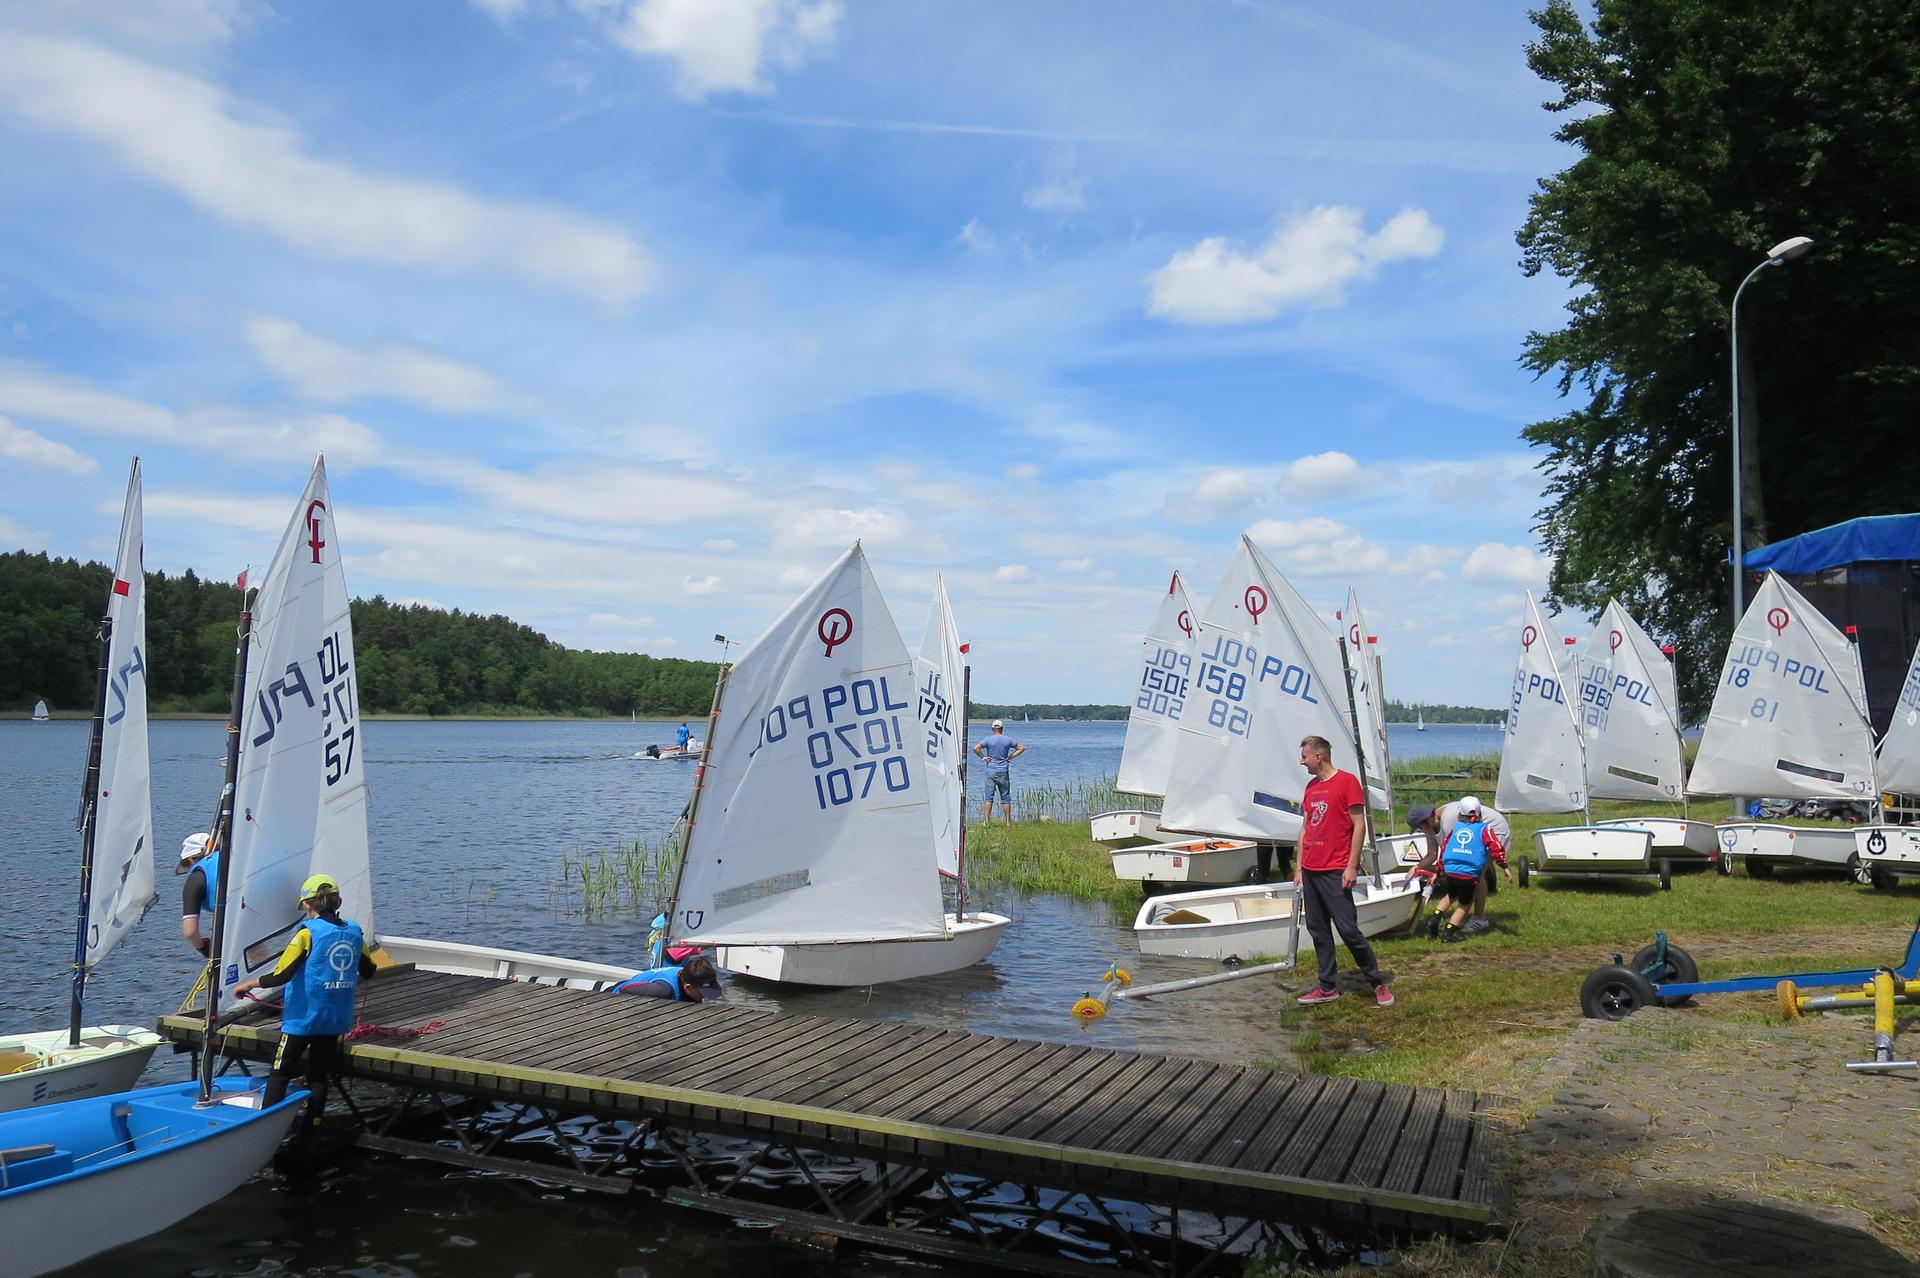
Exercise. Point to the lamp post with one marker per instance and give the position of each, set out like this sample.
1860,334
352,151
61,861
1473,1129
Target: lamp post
1779,255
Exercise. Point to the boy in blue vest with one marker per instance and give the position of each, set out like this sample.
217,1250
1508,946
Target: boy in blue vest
1462,861
321,970
693,980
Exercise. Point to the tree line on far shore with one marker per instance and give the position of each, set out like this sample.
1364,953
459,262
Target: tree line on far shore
413,659
1399,712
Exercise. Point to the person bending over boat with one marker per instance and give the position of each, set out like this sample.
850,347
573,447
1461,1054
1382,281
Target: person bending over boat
694,981
1437,824
1463,864
321,969
1332,832
201,864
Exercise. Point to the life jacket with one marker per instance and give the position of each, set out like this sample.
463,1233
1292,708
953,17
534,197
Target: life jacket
668,976
208,865
1466,853
320,999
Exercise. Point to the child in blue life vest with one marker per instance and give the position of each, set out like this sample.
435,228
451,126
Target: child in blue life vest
693,980
321,970
1462,861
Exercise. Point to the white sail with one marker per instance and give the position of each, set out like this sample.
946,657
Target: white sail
940,673
814,824
1633,746
123,805
39,711
1788,717
1259,686
1541,759
1370,700
300,802
1900,749
1166,671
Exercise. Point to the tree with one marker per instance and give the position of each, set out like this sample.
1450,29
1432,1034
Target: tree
1708,133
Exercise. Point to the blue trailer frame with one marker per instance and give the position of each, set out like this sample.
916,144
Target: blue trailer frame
1907,971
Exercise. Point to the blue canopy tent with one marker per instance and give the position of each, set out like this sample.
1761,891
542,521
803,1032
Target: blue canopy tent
1863,573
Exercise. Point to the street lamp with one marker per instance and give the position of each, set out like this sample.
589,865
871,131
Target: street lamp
1779,255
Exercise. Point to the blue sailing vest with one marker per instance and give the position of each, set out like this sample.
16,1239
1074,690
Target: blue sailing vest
320,999
209,865
1466,853
668,976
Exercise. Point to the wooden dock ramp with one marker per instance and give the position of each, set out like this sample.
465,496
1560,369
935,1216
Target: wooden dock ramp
927,1106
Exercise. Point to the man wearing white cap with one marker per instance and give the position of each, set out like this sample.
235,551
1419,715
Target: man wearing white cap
202,868
999,750
1449,816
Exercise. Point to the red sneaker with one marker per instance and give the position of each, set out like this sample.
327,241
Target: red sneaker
1319,994
1383,996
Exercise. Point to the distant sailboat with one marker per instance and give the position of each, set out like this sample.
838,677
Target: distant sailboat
1419,721
40,712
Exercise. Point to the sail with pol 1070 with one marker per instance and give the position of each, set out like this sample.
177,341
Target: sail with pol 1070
1159,695
1542,757
122,869
1788,717
300,798
814,822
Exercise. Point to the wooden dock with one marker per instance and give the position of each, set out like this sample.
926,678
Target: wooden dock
1235,1140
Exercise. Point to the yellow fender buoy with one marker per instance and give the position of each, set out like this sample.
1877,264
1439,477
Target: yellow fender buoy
1789,1000
1089,1008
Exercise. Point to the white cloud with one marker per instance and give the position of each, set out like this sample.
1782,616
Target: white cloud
166,24
977,238
1024,472
720,544
837,528
722,46
1013,573
18,444
797,577
1061,195
1323,474
1491,563
224,156
1076,565
1309,261
1223,494
700,585
17,535
326,370
502,11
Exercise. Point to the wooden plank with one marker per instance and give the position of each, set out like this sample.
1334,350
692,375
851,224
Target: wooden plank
1408,1161
1449,1146
1005,1067
829,1089
1189,1137
696,1072
1094,1107
675,1036
593,1039
1476,1181
1195,1085
1312,1130
1245,1127
1001,1109
638,1039
1342,1144
857,1037
1258,1153
912,1107
933,1073
1383,1133
527,1025
748,1065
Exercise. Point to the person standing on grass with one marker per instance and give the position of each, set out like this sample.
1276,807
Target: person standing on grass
1332,833
999,750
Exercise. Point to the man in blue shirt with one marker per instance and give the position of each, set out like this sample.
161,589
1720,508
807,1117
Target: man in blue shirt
683,737
999,750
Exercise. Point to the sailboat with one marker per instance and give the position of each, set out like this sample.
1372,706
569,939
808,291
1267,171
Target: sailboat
1885,851
1629,717
809,854
40,712
116,857
1419,720
1268,673
1166,673
1789,720
1544,768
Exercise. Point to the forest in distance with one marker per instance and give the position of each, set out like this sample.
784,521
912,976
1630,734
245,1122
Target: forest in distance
413,659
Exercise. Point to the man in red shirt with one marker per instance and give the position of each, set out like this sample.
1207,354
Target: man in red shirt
1332,830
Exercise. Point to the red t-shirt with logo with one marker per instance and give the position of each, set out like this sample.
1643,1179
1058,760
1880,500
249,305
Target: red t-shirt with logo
1326,821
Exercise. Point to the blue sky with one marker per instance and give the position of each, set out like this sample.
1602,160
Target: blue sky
623,317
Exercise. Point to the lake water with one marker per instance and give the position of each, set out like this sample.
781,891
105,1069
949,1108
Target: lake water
469,822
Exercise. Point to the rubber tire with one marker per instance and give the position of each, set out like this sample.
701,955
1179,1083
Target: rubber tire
1759,869
1862,874
1613,993
1884,879
1521,873
1680,968
1723,864
1666,875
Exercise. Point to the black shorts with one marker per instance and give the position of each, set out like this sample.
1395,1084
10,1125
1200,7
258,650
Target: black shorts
1458,886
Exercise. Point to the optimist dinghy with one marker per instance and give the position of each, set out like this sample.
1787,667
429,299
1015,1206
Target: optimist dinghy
1166,673
116,855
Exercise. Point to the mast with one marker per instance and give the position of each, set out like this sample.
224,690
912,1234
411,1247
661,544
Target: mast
89,808
220,839
699,784
1360,754
960,857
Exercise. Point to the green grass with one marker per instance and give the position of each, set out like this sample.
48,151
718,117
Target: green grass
1046,856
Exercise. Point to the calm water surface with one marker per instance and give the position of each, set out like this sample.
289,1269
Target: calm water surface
469,822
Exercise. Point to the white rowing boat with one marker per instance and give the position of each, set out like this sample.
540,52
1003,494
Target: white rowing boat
1260,918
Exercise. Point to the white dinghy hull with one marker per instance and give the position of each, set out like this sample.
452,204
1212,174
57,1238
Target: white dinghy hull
40,1069
1885,850
1774,844
1675,838
1593,849
1129,828
457,959
181,1162
1260,918
1193,861
857,963
1401,849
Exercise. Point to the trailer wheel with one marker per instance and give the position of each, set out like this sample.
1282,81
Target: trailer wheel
1884,878
1759,869
1614,993
1678,969
1723,863
1521,873
1862,873
1666,875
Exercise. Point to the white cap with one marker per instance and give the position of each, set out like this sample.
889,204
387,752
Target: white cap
998,724
1469,806
190,847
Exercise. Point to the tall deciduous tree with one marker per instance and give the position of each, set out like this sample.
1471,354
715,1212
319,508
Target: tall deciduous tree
1708,132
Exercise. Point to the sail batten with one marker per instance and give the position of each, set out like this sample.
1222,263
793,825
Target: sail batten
1160,694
